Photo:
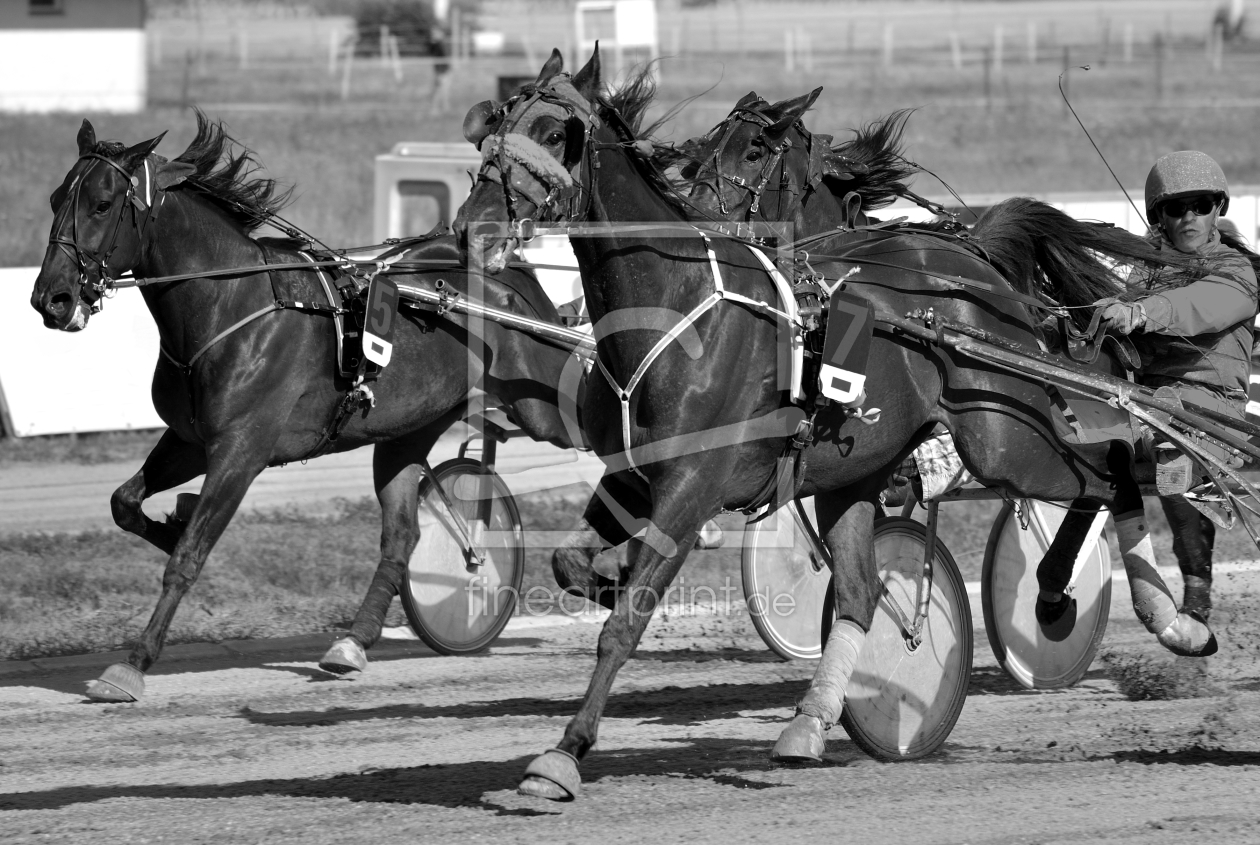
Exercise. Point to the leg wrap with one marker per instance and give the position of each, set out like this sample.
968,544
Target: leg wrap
826,692
371,616
1152,601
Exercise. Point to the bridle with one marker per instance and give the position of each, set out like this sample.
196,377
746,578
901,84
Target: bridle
753,187
517,164
96,262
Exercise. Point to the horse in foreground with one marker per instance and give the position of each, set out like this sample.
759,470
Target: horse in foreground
245,382
692,415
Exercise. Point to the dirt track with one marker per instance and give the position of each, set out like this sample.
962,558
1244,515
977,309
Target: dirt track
263,748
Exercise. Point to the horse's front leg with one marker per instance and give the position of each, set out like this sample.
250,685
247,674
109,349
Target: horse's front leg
848,527
172,462
396,473
231,470
676,520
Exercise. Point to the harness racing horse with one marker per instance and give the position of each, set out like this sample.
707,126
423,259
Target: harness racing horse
244,383
761,164
691,415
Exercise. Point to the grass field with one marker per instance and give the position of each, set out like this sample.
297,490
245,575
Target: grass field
1010,135
286,573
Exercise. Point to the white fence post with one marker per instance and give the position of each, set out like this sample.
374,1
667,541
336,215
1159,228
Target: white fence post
955,49
997,48
1032,42
888,45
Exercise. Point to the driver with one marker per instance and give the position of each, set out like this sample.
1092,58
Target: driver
1195,332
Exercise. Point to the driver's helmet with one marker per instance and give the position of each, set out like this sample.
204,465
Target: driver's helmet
1180,174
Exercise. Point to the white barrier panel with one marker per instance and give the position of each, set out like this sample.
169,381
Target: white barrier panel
57,382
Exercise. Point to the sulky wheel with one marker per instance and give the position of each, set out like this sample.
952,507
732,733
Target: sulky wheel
903,699
457,604
785,582
1009,595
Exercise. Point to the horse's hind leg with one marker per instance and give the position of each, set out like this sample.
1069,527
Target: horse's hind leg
1056,612
172,462
228,477
848,524
1183,633
396,472
611,517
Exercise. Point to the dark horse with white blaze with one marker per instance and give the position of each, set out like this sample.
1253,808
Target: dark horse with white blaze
244,384
692,427
760,164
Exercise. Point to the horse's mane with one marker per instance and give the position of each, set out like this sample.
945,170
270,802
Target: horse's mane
631,102
224,174
878,146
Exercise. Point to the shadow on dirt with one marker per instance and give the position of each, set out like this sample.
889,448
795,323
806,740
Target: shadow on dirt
723,762
667,706
993,680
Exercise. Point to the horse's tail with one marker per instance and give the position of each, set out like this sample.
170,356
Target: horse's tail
878,146
1042,251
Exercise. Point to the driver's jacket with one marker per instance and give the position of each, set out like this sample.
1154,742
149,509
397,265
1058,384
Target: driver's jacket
1200,331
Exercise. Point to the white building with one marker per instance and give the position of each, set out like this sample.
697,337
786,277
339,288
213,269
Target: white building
72,55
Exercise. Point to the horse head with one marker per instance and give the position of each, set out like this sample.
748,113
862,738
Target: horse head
755,164
100,213
532,147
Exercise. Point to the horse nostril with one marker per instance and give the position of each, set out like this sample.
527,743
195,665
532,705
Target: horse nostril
59,304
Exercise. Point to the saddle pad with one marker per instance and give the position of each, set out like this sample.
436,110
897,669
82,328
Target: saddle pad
1081,420
846,348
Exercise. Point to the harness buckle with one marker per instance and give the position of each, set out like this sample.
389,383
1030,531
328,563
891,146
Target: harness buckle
525,229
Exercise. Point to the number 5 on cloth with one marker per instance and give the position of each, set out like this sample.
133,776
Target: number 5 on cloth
382,313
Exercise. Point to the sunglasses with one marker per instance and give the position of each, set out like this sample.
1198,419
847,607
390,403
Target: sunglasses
1199,205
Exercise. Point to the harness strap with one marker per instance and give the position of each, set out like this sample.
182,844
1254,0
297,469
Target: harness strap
274,306
719,294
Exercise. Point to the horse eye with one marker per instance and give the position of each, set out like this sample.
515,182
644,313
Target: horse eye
103,206
555,137
755,155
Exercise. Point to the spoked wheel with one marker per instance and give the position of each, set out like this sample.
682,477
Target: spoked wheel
903,699
456,601
1009,594
785,581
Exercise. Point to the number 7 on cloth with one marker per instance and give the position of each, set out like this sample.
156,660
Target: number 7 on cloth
382,314
846,348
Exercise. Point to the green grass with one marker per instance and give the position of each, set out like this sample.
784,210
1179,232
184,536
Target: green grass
1019,139
94,448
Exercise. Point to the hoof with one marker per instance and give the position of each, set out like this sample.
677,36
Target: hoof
185,504
345,656
119,683
1056,619
552,775
1197,597
710,536
1189,636
801,741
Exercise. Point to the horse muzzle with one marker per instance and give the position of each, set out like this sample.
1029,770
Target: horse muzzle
63,312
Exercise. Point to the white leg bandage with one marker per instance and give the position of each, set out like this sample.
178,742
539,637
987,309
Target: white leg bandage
826,692
1152,601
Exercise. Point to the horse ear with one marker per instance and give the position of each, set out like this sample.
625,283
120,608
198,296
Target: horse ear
171,173
790,111
87,138
748,99
132,157
797,106
555,64
479,122
587,81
